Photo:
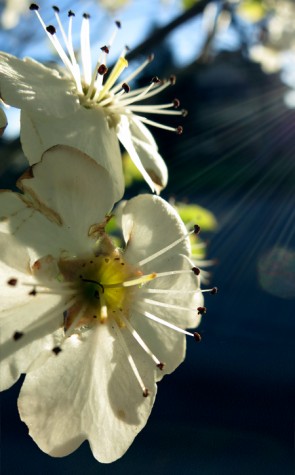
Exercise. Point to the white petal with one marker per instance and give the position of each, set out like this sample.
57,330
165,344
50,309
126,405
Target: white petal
30,85
144,153
150,224
70,188
18,356
3,121
85,129
166,344
35,231
87,392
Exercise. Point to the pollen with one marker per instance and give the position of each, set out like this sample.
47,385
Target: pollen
103,288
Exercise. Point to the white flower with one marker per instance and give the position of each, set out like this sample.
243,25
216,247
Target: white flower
74,106
94,327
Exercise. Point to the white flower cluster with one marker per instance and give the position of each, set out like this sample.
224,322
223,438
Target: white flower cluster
94,327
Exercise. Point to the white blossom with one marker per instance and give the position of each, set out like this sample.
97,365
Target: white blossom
75,106
94,327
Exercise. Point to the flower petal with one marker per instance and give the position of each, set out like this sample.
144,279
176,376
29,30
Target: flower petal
20,309
143,151
86,130
149,224
87,392
72,186
3,122
28,84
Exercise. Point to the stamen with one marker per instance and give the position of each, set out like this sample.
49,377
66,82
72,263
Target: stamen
135,73
166,324
145,391
85,49
129,283
17,335
56,350
12,282
138,338
165,249
144,120
201,310
117,70
168,305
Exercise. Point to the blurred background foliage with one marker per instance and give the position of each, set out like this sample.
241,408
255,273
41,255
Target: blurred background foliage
229,409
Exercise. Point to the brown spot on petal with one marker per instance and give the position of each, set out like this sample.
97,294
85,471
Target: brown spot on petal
121,414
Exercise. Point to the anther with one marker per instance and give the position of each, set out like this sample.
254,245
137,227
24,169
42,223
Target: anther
102,70
172,80
145,392
17,335
176,103
196,270
56,350
71,13
126,87
34,6
161,366
86,16
51,29
33,292
118,24
179,130
197,337
12,282
155,80
214,291
150,58
201,310
197,229
56,9
105,49
184,112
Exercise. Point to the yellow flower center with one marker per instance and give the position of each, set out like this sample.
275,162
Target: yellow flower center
102,291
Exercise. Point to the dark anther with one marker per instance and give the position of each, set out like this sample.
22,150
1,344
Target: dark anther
102,70
86,16
17,335
196,270
201,310
197,229
150,58
179,130
56,9
214,291
118,24
155,80
34,6
33,292
105,49
172,80
197,337
176,103
12,282
161,366
184,112
71,13
125,87
51,29
145,392
56,350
